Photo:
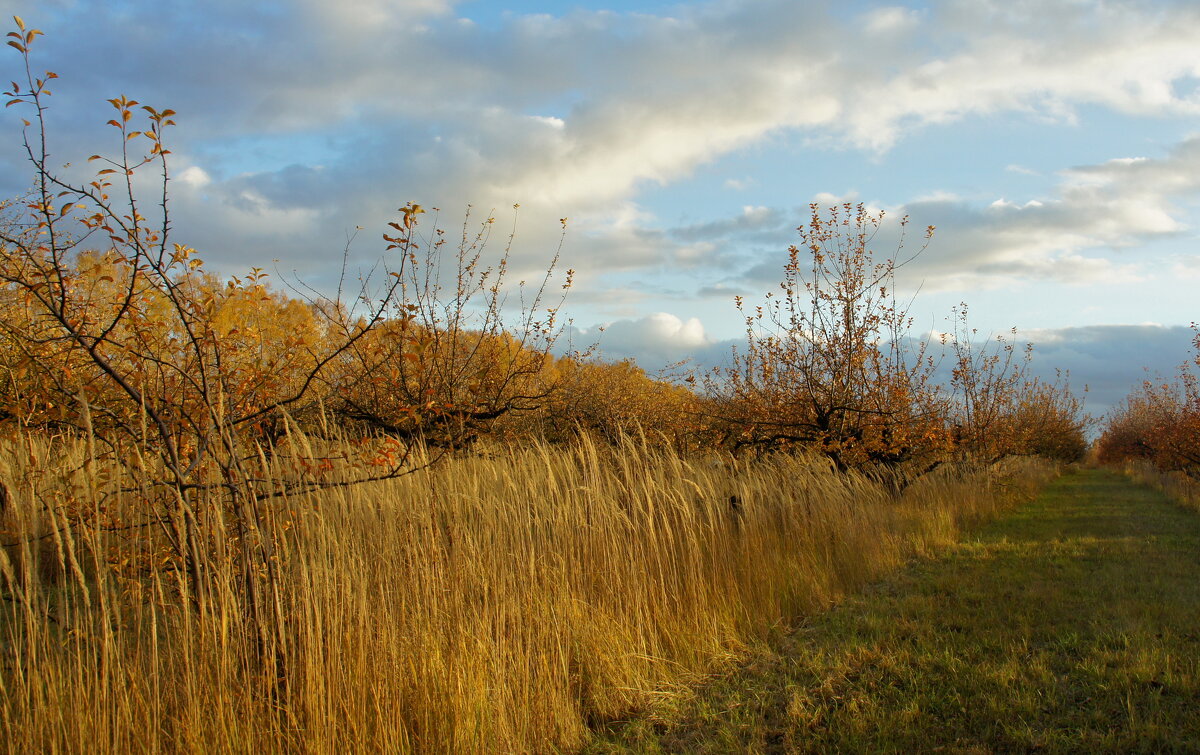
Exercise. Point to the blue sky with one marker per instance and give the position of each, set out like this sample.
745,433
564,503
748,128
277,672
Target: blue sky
1054,143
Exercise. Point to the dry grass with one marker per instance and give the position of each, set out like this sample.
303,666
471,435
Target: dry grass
500,602
1067,626
1177,486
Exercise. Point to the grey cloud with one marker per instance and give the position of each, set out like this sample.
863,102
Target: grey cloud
755,223
722,291
1101,363
1109,361
293,186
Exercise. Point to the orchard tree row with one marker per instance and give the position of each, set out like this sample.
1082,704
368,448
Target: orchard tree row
139,343
1159,423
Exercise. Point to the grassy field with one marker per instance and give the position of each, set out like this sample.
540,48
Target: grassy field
1072,625
506,600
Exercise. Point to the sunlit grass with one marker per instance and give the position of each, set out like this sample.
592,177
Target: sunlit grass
1180,487
1069,626
503,601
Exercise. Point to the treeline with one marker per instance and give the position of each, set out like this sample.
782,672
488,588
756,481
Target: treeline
92,344
312,363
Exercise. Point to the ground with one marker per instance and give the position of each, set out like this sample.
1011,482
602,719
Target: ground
1071,625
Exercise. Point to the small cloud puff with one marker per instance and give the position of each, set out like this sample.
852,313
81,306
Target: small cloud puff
653,341
660,331
891,20
1021,169
194,177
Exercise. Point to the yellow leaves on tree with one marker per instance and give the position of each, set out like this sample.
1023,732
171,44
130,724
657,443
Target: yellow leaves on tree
1159,423
827,365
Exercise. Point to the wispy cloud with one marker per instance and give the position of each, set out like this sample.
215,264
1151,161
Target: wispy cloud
1101,363
1067,236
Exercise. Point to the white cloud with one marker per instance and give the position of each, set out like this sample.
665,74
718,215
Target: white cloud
556,123
404,102
827,199
1088,230
195,177
1021,169
1117,205
653,341
891,20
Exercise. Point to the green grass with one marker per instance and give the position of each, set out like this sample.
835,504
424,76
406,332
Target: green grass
1071,625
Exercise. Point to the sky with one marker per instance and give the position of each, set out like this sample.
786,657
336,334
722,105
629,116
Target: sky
1054,144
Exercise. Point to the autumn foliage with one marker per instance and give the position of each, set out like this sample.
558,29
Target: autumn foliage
996,409
192,384
1159,424
830,365
612,401
826,365
114,327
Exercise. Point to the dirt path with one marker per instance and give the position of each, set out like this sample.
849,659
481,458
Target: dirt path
1072,625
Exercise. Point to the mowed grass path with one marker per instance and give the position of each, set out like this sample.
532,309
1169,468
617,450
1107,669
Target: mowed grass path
1072,625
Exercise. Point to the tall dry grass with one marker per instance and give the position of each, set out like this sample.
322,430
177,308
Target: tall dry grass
1176,485
498,602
